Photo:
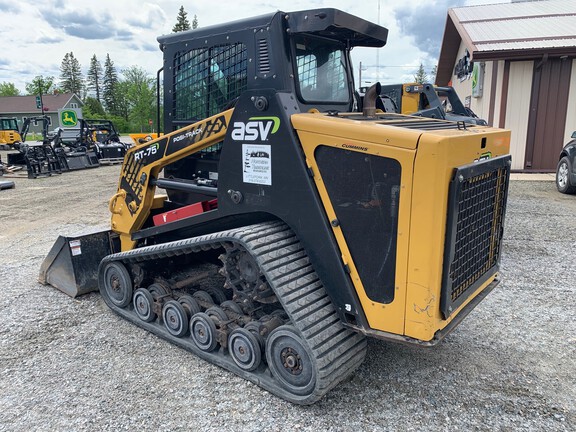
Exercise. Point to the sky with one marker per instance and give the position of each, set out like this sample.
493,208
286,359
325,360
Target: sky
35,36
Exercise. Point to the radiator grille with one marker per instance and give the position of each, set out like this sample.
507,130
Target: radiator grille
477,205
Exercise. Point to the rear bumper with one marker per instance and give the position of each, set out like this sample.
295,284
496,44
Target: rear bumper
440,334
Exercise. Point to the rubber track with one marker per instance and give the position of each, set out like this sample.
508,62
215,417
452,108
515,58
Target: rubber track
338,351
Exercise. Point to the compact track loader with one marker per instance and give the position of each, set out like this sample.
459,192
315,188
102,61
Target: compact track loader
9,132
291,227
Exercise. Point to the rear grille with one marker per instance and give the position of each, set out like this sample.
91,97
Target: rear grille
476,209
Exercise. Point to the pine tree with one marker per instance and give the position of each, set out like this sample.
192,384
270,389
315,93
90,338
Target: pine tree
195,22
434,73
182,23
94,77
71,80
421,76
109,86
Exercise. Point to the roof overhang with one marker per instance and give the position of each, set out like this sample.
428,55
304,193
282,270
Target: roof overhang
550,43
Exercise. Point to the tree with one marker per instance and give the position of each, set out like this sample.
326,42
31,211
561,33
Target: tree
434,73
421,76
195,22
122,103
140,94
40,85
94,77
182,23
109,86
71,80
8,89
92,108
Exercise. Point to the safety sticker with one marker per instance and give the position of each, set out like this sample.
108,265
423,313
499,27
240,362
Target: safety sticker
257,164
75,247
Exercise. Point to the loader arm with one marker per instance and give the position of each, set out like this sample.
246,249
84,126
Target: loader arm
131,205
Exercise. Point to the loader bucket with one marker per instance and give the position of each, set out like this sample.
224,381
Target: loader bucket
72,263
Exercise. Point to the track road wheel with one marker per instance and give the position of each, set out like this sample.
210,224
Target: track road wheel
175,318
232,306
291,361
254,328
157,291
217,294
563,171
245,349
203,296
143,305
218,313
118,284
203,332
189,303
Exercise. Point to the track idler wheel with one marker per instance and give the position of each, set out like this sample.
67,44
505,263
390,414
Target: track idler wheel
203,332
291,361
245,349
118,284
175,318
144,305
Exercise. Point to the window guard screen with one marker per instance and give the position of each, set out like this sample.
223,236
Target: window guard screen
206,80
322,70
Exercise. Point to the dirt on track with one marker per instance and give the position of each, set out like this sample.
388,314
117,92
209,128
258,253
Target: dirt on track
71,364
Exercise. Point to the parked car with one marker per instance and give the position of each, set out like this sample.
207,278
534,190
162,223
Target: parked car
566,169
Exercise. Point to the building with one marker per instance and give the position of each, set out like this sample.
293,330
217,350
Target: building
513,65
22,107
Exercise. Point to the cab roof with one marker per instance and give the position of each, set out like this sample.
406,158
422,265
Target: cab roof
327,22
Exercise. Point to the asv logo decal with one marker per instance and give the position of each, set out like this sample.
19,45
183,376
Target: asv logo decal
257,129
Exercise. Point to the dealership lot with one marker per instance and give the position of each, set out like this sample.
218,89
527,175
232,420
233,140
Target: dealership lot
71,364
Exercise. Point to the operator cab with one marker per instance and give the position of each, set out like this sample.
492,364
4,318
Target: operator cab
207,69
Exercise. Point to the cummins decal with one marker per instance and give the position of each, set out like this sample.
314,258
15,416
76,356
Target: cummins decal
354,147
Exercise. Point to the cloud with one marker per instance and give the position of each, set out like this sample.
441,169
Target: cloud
4,62
84,24
151,15
7,6
150,47
124,35
425,24
49,39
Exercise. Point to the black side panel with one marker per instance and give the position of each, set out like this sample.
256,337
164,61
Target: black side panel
262,170
364,190
475,226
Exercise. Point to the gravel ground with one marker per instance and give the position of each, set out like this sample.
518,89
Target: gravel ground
72,365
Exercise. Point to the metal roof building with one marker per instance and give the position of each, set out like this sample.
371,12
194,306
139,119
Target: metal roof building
513,65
